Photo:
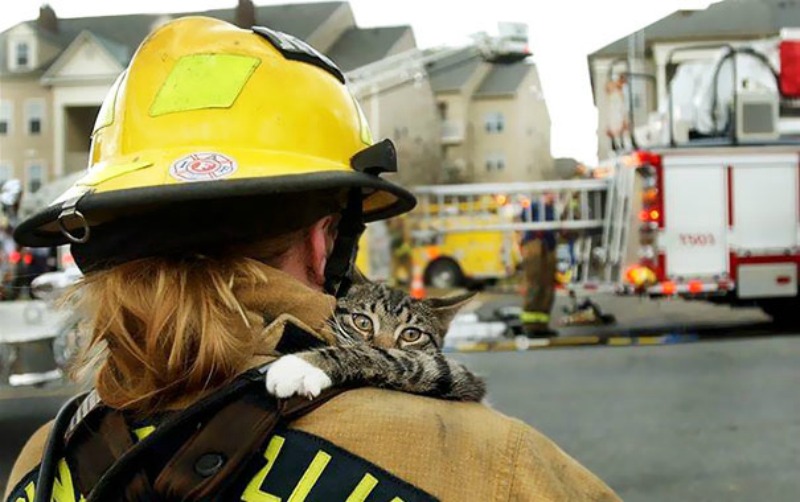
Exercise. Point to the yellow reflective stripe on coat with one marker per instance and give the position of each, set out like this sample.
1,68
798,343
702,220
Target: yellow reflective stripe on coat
534,317
364,488
310,477
253,491
143,432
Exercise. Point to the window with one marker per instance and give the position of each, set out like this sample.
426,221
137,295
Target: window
34,177
494,122
6,116
21,54
6,173
34,115
495,162
442,107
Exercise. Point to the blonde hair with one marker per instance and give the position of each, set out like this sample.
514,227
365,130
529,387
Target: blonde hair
167,329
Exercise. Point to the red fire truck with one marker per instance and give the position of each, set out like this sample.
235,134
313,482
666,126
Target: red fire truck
715,214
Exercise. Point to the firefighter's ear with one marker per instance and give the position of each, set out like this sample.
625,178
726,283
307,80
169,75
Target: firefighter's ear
447,308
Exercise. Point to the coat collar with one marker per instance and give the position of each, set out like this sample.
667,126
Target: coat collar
280,301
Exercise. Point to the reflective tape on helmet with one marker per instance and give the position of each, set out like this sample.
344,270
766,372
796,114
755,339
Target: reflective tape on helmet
201,81
96,176
105,117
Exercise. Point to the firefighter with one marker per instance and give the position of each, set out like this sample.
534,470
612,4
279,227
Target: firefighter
539,268
401,250
232,172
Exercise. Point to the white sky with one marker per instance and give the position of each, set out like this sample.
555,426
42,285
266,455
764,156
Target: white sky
562,33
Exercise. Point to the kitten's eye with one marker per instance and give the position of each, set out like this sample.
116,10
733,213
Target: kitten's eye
411,335
362,323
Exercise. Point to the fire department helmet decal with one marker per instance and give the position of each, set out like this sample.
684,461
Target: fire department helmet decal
202,166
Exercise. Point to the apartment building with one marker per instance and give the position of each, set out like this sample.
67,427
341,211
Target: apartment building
495,123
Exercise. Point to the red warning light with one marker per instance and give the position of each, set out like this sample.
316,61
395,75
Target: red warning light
695,287
668,288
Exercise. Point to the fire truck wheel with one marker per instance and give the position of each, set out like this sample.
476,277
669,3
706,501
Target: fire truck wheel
444,273
782,310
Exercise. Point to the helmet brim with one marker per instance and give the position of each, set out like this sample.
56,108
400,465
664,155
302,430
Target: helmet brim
382,199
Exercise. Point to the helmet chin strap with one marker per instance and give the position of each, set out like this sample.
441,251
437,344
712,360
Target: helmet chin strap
338,269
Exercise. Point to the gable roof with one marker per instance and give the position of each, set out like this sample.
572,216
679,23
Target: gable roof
360,46
503,79
122,34
117,52
298,19
733,19
452,72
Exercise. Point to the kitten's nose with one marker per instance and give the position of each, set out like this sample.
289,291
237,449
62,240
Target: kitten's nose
384,342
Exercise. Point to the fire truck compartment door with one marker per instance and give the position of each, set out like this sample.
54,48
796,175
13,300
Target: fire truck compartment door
765,280
764,203
694,235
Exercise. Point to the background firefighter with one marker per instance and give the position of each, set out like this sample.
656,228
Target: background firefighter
539,268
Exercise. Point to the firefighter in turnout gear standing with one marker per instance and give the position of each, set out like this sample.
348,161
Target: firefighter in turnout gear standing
539,268
231,173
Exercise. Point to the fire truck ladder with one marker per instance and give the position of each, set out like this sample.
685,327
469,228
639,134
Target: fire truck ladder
579,209
613,247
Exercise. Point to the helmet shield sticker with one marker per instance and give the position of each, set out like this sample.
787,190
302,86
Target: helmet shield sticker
201,81
202,166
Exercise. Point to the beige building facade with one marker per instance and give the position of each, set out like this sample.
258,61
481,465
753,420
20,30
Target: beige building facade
495,126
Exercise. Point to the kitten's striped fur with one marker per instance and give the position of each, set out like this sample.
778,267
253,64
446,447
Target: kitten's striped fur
387,339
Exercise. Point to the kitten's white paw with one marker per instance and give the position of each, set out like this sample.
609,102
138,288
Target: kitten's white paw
290,375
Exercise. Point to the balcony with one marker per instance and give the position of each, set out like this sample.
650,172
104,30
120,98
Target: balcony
452,132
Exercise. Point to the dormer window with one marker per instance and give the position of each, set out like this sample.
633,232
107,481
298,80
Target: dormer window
22,55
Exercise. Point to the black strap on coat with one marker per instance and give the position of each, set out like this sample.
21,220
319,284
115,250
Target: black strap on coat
54,448
192,455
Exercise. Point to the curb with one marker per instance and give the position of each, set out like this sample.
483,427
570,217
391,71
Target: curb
521,343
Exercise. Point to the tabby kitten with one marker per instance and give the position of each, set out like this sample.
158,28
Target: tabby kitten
384,339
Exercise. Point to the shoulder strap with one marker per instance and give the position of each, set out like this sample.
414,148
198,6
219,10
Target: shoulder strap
196,452
53,449
217,453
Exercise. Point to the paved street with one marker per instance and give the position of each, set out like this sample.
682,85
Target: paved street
705,421
714,420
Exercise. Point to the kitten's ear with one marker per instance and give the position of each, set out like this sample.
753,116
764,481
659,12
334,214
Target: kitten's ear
357,278
447,308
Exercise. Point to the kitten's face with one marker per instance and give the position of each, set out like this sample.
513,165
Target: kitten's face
389,318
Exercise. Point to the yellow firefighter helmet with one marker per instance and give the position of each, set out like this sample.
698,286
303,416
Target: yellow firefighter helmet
217,119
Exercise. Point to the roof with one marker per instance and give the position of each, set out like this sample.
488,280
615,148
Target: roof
503,79
360,46
122,53
452,72
299,19
727,19
121,35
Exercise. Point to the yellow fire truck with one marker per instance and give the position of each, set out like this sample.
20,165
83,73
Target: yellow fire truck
464,233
